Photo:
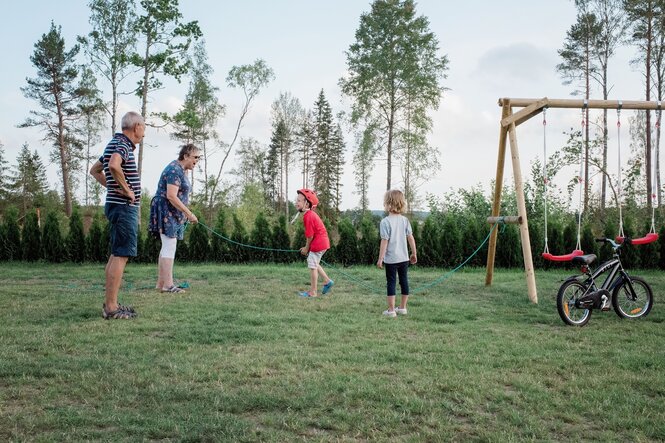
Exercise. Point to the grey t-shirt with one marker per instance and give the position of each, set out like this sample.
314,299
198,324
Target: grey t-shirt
395,228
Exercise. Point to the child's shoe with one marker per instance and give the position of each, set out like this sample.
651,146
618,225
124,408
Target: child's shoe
389,313
400,311
305,294
327,287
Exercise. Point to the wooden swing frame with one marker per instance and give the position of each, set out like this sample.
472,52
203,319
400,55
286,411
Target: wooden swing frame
531,107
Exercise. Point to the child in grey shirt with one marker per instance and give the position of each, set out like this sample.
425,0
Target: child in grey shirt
395,231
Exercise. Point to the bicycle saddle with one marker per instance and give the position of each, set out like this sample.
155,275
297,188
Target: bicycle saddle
584,259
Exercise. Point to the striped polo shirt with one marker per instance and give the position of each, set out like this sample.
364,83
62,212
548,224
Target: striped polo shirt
122,145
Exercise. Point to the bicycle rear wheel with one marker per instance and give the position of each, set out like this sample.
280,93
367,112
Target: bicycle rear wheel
568,293
628,306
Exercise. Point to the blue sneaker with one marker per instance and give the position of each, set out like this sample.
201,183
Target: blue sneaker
327,287
305,294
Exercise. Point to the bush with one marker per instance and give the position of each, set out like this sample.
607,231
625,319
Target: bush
451,242
32,238
199,243
281,240
369,242
75,241
3,242
95,250
151,247
12,235
346,251
238,251
220,246
430,250
52,239
261,237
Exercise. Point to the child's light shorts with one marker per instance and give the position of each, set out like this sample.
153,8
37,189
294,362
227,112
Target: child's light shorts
314,258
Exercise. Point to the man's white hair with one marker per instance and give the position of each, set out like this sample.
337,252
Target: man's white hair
130,120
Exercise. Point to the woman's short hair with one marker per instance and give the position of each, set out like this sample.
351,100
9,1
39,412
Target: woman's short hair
130,120
394,201
187,150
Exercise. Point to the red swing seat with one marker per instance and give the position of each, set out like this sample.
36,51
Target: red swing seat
567,257
649,238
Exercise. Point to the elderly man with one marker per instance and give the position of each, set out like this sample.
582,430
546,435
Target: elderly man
116,170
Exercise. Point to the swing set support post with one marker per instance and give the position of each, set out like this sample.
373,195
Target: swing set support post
496,204
509,130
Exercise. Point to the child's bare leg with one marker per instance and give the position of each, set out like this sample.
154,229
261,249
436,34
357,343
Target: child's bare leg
323,274
405,298
314,277
391,302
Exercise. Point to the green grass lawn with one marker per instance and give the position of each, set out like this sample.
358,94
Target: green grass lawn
240,357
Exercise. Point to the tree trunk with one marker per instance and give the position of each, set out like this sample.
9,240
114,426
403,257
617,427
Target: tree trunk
389,150
144,99
62,148
114,103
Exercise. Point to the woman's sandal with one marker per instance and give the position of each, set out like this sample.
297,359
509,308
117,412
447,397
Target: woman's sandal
119,314
174,290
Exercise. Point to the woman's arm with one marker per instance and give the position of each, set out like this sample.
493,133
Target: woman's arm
172,196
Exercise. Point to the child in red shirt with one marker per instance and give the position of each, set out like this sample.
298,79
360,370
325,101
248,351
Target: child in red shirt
317,241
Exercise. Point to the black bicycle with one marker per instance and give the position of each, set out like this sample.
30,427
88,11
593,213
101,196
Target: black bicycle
578,296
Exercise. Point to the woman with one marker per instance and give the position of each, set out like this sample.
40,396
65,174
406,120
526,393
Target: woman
168,212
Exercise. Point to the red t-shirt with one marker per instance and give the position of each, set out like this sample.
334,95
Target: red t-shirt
314,227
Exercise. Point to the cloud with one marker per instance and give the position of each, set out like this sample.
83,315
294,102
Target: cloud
515,64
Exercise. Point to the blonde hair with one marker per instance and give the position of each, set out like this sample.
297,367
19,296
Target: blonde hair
394,201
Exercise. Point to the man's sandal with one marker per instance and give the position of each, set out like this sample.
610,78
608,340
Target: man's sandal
174,290
118,314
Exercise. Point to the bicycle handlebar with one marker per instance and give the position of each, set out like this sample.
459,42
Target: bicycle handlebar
616,246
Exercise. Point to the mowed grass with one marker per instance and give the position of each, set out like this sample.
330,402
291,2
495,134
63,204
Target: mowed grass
240,357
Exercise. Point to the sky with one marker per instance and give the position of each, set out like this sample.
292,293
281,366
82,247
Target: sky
495,49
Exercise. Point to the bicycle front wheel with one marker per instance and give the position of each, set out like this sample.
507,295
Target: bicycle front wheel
569,292
629,305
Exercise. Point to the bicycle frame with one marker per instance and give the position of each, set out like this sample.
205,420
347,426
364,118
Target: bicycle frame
617,274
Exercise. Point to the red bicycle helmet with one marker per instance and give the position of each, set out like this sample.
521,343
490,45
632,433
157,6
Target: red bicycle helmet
310,196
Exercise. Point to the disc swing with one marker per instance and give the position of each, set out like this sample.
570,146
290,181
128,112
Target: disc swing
578,248
652,236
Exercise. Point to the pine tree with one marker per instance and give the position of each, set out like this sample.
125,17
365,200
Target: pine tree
281,240
324,158
58,94
4,173
288,110
13,234
278,153
28,183
52,243
75,241
31,238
